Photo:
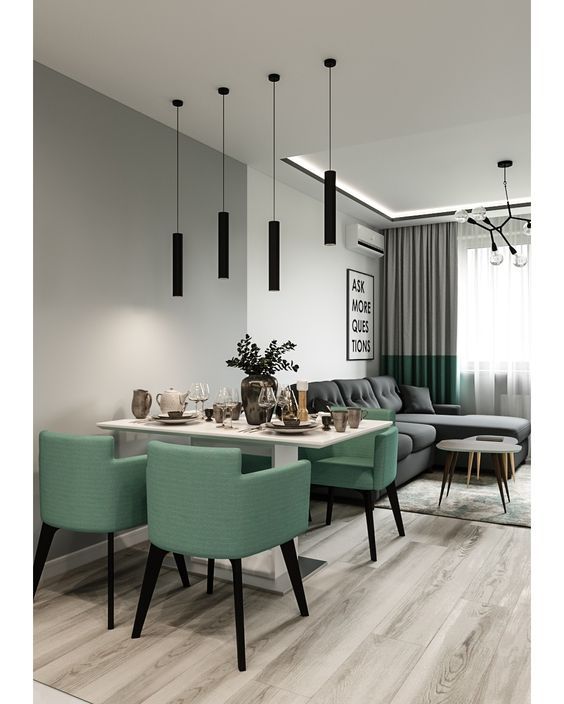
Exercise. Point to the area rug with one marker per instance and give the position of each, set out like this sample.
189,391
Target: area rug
478,502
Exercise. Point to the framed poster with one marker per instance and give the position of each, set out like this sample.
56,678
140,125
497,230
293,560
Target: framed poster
360,315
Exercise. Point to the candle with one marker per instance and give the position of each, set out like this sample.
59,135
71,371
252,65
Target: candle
301,386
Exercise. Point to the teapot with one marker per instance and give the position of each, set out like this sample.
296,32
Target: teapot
171,400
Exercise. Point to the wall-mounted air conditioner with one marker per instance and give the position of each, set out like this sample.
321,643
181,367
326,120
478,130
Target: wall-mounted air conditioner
365,241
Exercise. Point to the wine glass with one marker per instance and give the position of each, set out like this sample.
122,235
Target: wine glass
205,389
221,401
285,401
231,400
267,400
195,394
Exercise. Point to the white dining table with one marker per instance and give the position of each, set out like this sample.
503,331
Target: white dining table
267,569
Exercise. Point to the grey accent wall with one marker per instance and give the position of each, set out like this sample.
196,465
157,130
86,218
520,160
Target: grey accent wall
105,322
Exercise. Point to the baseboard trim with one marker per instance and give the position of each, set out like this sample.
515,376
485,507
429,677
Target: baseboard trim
78,558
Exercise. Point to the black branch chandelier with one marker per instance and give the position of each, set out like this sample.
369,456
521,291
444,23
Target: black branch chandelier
479,217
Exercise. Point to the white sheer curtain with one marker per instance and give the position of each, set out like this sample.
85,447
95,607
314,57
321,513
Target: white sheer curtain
493,324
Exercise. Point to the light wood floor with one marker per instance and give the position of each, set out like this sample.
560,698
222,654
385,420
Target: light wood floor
442,617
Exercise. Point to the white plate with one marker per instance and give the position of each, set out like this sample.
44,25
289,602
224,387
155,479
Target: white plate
290,431
176,421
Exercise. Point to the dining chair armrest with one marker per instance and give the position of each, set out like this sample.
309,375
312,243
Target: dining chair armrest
380,414
274,505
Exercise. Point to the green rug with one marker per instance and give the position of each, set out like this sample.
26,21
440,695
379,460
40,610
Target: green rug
478,502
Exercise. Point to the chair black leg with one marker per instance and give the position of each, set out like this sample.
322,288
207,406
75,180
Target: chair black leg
152,568
181,567
110,581
293,567
211,567
369,510
329,513
239,613
43,546
392,492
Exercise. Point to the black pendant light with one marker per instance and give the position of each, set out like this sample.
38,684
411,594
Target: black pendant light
330,196
223,216
177,253
273,225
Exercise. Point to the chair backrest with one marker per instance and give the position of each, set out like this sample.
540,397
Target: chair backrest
81,487
199,503
381,447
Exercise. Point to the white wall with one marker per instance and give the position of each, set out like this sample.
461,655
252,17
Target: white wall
310,308
105,322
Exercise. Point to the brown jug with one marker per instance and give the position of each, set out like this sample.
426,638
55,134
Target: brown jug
141,403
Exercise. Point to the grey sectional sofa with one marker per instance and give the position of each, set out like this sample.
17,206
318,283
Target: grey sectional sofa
418,433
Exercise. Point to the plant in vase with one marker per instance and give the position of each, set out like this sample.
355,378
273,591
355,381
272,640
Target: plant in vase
260,369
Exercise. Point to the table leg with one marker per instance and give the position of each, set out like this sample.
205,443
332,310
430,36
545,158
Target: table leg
470,462
504,477
497,470
478,461
505,465
451,473
512,460
445,474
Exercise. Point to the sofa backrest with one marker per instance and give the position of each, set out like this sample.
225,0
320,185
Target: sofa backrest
320,393
386,390
357,392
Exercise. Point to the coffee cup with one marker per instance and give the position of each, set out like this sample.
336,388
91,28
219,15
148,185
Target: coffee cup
355,416
340,419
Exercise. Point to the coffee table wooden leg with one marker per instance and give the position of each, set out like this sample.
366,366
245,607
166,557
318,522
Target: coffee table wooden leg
470,462
497,470
451,473
445,474
505,465
478,461
512,460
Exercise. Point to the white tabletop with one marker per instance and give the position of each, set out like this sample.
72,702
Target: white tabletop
478,446
316,439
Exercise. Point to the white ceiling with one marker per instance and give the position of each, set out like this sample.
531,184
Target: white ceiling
427,96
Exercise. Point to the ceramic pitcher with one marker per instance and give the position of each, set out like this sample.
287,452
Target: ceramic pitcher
141,403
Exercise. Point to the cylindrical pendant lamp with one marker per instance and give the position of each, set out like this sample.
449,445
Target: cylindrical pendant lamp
274,224
330,188
177,237
223,216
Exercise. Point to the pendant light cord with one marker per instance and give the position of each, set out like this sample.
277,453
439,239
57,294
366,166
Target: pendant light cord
274,150
330,126
177,172
223,153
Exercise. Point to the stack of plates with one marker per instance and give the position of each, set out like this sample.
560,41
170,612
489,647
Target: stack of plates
167,420
279,427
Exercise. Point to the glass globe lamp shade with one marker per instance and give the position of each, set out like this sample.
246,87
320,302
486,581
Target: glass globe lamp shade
520,260
461,216
479,213
527,228
496,257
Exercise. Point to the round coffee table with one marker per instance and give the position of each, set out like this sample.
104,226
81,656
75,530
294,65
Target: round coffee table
493,448
506,458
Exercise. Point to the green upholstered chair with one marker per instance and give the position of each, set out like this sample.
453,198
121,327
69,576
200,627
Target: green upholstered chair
366,464
83,488
200,503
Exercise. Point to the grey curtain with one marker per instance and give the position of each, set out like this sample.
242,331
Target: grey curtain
420,308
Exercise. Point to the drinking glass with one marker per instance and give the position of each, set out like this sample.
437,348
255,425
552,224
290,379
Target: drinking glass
267,400
205,389
231,400
195,394
221,401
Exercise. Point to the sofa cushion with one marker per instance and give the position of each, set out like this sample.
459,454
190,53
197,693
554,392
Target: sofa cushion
416,399
456,427
405,445
319,391
386,391
357,392
421,435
